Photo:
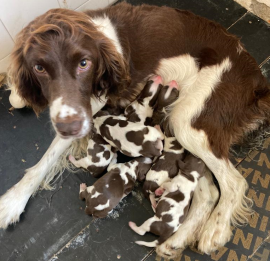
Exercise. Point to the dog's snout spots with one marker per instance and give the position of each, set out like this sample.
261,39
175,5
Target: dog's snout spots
66,129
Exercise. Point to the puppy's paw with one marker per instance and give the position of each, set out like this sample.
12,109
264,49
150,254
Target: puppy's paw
82,187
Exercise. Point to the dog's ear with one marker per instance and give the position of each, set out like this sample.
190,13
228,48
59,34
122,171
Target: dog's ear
113,71
22,78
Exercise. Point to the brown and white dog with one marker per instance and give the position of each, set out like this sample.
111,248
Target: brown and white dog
75,63
173,205
118,182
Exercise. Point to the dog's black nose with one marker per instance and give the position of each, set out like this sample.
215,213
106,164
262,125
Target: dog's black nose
69,129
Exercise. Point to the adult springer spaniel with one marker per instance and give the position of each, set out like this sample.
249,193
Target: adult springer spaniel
75,63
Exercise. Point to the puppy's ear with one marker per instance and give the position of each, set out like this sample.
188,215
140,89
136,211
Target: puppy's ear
112,72
23,79
181,164
143,168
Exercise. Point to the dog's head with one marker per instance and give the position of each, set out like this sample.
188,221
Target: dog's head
62,59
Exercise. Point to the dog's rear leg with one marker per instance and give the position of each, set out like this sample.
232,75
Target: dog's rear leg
204,200
233,206
13,202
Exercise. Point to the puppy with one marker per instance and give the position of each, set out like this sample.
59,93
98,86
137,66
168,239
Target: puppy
141,110
99,156
132,139
108,191
167,96
173,205
166,166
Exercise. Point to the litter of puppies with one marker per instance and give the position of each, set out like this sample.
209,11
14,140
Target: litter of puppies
170,173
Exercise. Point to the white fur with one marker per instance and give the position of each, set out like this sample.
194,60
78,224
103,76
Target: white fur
98,104
90,189
13,202
105,26
239,48
101,207
157,176
55,107
66,111
15,100
168,93
85,126
96,194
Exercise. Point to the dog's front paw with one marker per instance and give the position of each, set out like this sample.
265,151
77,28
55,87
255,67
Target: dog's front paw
12,204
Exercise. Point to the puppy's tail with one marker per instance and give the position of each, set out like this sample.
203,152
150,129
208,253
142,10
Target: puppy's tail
148,244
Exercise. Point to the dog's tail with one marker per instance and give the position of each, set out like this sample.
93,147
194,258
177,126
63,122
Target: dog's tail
147,244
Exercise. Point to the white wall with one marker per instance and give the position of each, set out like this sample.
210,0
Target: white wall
15,14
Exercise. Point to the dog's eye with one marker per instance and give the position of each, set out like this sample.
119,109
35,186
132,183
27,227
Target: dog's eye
84,65
39,68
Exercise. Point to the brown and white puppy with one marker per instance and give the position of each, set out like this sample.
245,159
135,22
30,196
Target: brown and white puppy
173,205
132,139
99,156
164,169
166,166
167,96
141,110
108,191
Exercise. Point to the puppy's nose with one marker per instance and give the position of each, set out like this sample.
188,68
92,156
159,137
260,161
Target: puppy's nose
69,129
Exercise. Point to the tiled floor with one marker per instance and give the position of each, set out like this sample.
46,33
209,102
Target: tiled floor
54,226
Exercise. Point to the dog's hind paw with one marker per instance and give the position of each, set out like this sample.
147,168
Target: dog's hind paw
167,250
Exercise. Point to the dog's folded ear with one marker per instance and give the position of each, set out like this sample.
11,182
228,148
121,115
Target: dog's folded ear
112,75
22,78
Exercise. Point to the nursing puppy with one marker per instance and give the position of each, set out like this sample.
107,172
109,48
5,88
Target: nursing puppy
173,205
99,156
166,166
108,191
132,139
141,110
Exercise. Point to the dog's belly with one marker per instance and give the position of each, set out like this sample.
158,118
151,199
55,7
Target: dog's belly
196,86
